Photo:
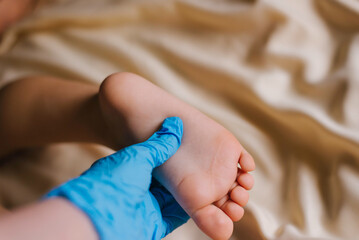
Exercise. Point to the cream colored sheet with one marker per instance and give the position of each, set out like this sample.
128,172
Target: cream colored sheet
283,76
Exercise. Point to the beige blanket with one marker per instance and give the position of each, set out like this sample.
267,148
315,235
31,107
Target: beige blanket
283,76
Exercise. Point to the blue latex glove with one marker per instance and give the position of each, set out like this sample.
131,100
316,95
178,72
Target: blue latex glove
117,195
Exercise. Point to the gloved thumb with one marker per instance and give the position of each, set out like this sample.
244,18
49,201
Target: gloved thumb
140,159
133,165
165,142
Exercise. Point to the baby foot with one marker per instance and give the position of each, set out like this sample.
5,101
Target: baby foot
203,175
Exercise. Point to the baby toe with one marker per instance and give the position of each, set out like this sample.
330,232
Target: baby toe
233,210
245,179
221,201
246,162
239,195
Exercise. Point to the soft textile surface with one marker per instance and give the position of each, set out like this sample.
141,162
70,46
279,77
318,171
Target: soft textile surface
283,76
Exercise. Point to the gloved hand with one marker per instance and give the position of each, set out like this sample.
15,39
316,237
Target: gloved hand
116,193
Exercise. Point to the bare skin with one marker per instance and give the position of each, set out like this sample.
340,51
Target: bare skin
55,219
35,111
203,174
12,11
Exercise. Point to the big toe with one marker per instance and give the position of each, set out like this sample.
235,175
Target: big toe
213,222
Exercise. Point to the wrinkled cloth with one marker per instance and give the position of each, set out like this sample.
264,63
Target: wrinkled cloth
282,76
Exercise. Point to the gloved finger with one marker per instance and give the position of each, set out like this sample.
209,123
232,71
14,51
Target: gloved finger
172,213
159,192
163,143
